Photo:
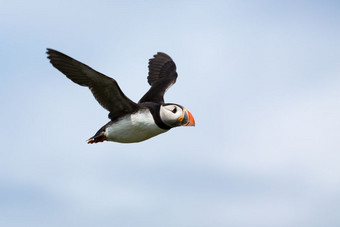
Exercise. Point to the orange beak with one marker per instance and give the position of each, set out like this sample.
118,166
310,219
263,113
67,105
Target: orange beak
187,119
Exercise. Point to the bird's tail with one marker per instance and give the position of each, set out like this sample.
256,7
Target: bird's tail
100,135
97,139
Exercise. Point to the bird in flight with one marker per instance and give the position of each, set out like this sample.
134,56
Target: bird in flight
130,122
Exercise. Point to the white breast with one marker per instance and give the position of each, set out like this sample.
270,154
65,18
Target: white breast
133,128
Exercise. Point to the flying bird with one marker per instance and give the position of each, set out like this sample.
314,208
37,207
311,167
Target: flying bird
130,122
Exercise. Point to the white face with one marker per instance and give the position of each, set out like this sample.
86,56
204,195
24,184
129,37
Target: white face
170,113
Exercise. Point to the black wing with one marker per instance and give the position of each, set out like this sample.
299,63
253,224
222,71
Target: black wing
162,74
105,89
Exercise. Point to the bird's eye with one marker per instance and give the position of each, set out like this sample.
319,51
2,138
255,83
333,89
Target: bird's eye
174,110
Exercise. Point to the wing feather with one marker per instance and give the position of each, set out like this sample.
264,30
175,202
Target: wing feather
104,89
162,74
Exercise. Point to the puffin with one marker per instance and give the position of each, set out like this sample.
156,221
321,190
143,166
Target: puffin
130,122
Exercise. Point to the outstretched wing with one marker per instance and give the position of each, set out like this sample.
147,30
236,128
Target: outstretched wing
162,74
105,89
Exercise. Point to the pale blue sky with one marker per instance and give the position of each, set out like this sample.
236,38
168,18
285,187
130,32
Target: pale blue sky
262,79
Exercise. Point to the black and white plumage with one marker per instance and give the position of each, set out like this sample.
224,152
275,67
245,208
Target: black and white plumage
130,121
